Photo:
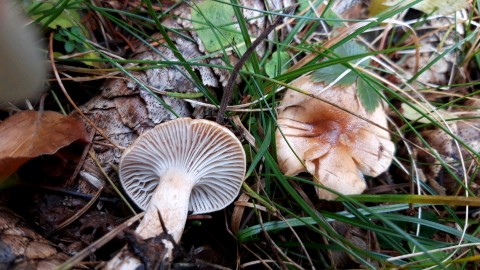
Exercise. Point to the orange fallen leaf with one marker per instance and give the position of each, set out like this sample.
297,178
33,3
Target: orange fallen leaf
29,134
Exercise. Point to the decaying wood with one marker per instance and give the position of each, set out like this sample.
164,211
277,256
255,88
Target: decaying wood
23,248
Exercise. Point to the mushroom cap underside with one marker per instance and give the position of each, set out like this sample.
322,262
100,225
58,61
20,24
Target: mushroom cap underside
334,145
202,148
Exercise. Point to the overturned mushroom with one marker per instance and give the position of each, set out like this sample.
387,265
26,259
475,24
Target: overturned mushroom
180,166
331,144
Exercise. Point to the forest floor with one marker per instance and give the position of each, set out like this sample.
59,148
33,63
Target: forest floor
359,121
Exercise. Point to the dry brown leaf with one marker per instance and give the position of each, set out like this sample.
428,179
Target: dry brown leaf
29,134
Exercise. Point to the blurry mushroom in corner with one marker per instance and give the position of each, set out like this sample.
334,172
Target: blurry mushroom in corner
335,146
22,69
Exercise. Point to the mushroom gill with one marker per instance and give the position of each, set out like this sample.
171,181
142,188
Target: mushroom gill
335,146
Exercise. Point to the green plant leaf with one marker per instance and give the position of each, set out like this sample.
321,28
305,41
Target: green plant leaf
367,95
330,74
76,31
332,19
59,37
425,231
214,25
277,64
66,19
69,46
302,5
351,48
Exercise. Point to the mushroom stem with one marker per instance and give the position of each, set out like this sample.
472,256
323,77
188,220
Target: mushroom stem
170,200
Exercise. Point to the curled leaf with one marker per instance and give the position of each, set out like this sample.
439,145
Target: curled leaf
29,134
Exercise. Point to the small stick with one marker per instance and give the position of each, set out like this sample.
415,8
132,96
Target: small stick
77,214
70,263
227,93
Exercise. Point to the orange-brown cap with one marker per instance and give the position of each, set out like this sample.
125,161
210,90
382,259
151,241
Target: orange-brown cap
335,146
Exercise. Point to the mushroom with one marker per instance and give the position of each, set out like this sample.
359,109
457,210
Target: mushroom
335,146
180,166
22,69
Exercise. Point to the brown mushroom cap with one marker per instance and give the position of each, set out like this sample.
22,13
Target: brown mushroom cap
338,148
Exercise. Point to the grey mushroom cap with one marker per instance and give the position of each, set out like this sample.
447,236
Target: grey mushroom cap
203,149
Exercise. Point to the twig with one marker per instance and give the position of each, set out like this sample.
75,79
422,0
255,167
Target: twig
119,193
227,93
67,192
77,214
98,244
80,163
62,87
